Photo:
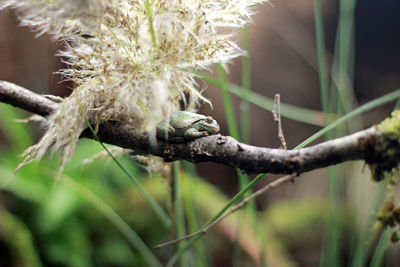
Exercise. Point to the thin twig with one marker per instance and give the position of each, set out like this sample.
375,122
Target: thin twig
235,208
277,119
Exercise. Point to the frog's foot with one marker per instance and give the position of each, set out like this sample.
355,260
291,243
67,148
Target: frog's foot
193,134
165,130
54,98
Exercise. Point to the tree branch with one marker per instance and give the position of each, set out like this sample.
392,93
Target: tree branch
362,145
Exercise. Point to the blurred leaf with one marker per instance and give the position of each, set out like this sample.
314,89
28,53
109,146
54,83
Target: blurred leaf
115,219
17,238
114,252
17,133
161,214
60,203
68,244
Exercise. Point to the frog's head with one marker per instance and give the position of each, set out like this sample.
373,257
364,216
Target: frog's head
208,124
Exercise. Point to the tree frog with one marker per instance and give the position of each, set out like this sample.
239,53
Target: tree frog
183,126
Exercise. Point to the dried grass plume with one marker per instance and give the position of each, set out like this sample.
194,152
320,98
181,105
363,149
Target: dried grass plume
131,61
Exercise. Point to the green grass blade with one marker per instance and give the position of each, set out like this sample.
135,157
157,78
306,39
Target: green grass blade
397,105
115,219
178,209
232,127
343,77
361,252
367,106
343,65
245,119
245,127
346,36
322,65
229,112
334,233
119,41
299,114
161,214
187,189
150,18
230,116
333,240
378,258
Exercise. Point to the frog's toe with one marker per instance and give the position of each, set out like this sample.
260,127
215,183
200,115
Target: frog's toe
171,129
189,135
203,134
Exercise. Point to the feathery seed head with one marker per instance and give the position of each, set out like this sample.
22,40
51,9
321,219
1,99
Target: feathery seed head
129,58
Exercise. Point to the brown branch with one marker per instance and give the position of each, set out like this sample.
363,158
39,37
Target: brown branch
23,98
218,148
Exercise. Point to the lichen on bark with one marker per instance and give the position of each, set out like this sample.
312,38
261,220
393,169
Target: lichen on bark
386,158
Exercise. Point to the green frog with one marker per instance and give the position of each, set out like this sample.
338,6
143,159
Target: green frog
184,126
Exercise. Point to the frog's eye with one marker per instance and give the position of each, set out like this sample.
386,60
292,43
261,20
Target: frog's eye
209,119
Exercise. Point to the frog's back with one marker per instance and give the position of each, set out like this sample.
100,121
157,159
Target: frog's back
184,119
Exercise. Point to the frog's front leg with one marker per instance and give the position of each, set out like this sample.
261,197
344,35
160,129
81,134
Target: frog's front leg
165,130
194,133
